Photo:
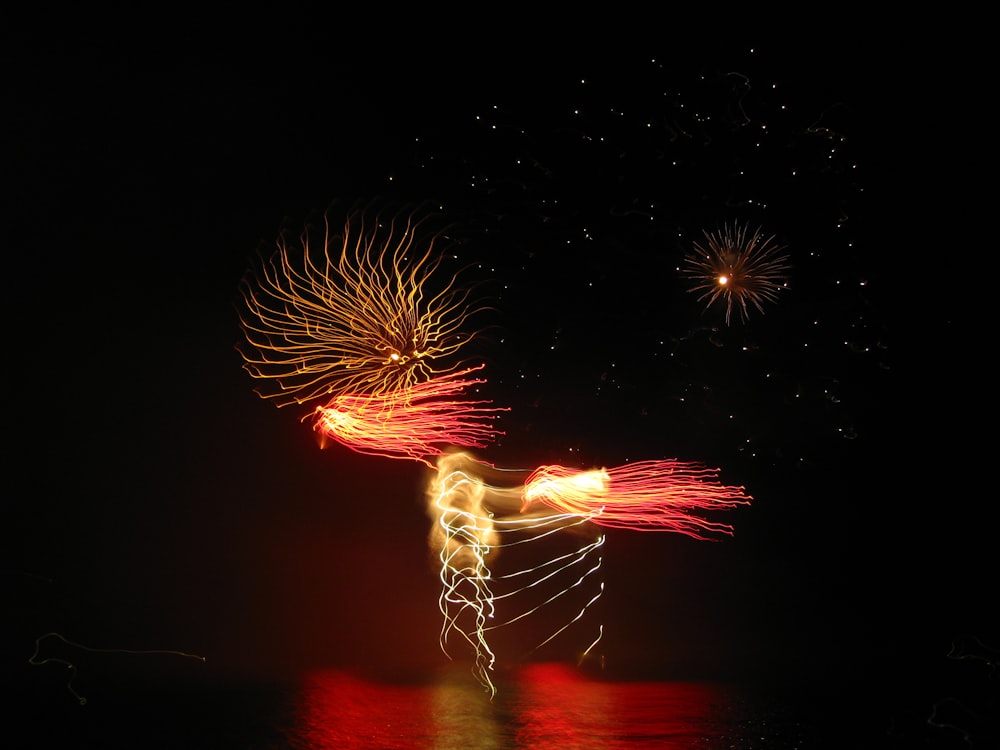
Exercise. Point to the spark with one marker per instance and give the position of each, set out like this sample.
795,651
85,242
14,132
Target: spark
663,495
416,422
739,268
474,523
356,314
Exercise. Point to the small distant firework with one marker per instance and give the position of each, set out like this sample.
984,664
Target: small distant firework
354,314
737,268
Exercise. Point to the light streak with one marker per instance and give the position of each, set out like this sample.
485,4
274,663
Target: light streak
739,268
355,315
474,523
37,659
417,422
663,495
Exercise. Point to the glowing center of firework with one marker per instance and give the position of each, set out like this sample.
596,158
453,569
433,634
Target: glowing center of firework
404,359
591,484
723,280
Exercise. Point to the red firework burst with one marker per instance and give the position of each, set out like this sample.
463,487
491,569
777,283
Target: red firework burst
664,495
417,422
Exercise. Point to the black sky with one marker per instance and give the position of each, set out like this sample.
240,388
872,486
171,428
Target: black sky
155,502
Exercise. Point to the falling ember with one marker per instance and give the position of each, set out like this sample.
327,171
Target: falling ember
417,422
475,523
354,313
738,268
663,495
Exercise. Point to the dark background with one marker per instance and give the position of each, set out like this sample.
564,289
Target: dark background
154,501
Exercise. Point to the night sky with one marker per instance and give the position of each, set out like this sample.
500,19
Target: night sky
155,501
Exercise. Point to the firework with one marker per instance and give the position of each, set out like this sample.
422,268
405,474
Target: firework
415,422
475,523
660,495
355,314
355,323
737,268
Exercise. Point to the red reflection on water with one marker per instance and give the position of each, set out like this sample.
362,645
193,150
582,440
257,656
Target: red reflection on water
541,706
560,708
339,710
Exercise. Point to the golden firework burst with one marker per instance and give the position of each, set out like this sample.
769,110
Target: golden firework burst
355,313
